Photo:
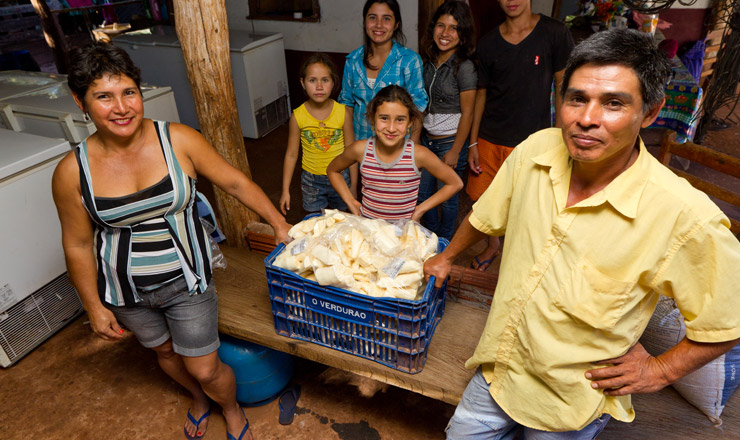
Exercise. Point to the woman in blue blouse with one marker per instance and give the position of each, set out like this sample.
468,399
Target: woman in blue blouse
381,61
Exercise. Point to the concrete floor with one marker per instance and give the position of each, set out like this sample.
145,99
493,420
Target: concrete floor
77,386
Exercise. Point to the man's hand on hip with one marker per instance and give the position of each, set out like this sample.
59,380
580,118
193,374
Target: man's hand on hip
635,372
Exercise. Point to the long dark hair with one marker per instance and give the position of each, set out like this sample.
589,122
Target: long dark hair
398,35
460,11
394,93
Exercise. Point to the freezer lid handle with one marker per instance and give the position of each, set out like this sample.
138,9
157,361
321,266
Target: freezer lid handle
69,128
9,119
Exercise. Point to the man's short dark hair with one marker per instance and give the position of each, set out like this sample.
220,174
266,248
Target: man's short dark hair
625,47
90,63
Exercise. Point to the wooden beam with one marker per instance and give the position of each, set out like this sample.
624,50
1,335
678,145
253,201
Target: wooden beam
204,35
715,36
52,34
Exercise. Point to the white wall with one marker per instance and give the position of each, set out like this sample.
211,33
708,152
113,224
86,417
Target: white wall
340,28
542,6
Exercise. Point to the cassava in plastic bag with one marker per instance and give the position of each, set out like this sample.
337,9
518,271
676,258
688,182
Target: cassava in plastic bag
368,256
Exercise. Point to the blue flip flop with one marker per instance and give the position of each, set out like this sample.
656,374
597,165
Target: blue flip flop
477,264
244,430
287,403
197,425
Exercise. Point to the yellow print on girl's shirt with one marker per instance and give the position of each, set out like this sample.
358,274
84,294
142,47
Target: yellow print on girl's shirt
321,138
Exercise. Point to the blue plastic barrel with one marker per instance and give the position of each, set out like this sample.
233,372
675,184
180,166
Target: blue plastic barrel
261,373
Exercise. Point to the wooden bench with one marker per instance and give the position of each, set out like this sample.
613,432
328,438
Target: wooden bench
245,313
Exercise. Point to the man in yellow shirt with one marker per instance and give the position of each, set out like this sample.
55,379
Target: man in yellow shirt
596,229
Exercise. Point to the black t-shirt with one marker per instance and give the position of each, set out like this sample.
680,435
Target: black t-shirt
518,80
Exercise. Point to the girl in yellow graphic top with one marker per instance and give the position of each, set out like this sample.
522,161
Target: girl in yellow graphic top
322,128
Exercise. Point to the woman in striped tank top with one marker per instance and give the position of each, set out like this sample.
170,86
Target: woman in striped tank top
135,248
391,164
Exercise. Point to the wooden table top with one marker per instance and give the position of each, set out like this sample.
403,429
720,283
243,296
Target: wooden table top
245,313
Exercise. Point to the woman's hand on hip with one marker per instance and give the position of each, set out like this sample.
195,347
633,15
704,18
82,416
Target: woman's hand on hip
450,159
354,207
418,214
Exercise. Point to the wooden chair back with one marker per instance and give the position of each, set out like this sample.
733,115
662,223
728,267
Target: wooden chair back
715,160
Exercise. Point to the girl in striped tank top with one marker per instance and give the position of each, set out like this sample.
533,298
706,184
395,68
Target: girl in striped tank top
391,164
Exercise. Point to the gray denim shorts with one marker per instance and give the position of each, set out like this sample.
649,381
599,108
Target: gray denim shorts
170,311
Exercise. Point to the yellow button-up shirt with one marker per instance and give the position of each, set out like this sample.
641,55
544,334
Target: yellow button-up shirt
578,285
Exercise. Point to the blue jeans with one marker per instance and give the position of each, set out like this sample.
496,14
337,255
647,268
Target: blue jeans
442,222
477,416
319,194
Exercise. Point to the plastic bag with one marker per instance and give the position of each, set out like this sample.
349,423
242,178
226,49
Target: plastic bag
707,388
218,261
368,256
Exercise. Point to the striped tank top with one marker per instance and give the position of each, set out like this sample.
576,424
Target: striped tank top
150,237
154,260
389,190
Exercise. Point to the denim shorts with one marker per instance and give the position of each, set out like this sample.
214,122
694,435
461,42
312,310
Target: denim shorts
169,311
478,416
319,194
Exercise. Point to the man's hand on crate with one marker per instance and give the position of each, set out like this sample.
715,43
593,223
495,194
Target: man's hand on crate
438,266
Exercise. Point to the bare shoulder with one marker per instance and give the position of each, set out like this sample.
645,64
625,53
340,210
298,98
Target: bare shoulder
359,144
357,149
66,177
422,152
187,142
67,168
183,132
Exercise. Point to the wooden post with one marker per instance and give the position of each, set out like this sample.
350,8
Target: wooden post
204,35
53,34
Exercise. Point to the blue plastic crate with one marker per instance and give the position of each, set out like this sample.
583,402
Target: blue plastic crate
393,332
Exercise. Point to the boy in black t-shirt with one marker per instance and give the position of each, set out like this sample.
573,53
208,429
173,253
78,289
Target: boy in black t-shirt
517,64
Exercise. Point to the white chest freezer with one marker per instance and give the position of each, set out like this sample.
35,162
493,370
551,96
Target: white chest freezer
18,82
257,67
52,112
36,297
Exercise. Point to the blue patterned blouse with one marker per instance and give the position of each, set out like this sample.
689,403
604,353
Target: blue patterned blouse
403,67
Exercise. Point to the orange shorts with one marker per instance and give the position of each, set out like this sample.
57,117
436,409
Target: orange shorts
491,157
